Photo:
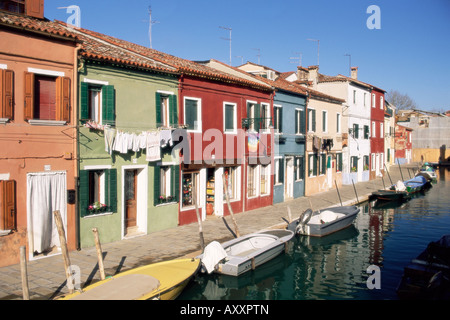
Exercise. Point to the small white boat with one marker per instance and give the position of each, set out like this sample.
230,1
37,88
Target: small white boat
428,172
324,222
245,253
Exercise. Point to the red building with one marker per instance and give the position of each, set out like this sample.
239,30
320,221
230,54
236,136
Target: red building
377,130
403,144
230,142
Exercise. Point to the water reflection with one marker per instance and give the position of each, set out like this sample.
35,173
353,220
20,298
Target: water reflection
335,267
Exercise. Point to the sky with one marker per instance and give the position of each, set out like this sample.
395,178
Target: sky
408,50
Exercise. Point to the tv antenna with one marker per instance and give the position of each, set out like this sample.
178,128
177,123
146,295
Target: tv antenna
229,39
258,55
318,48
150,22
299,58
242,59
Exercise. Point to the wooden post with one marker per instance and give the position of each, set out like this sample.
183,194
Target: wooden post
339,195
199,219
99,253
354,188
388,174
401,171
24,273
64,250
289,214
225,190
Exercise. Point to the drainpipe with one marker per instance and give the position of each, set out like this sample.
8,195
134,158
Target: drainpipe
76,147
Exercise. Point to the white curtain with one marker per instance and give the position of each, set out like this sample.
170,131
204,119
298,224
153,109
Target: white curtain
46,193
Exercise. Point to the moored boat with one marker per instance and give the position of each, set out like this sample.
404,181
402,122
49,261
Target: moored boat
389,195
428,172
324,222
158,281
428,275
245,253
416,184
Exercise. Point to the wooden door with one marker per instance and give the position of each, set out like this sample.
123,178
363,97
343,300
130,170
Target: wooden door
130,198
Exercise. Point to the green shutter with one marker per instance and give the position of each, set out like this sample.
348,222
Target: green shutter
83,192
111,189
109,105
297,124
280,119
257,117
158,109
281,170
314,120
175,182
156,185
315,158
84,101
324,163
173,107
302,121
324,121
302,167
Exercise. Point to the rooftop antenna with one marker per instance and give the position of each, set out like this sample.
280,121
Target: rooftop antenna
349,64
299,58
258,55
229,29
318,48
151,22
242,59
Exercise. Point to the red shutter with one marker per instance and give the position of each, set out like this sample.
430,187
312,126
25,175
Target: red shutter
29,96
35,8
63,98
8,93
8,205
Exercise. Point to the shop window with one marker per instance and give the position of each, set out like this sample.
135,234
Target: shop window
265,180
231,182
189,189
251,181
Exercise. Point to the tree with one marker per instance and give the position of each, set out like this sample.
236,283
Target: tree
400,101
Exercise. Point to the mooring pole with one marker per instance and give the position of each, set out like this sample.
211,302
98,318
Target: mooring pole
24,273
388,174
401,171
339,195
98,246
354,188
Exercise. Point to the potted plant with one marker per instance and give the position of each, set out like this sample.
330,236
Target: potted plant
97,207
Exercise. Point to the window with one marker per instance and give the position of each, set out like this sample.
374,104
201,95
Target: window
189,195
278,119
355,131
265,117
265,180
192,114
365,98
381,130
338,123
98,191
374,132
354,96
46,97
16,6
231,181
373,100
299,168
97,103
7,205
354,164
381,103
312,120
366,162
312,165
229,115
300,121
279,171
366,132
322,163
339,162
324,121
253,114
166,110
251,180
6,94
166,187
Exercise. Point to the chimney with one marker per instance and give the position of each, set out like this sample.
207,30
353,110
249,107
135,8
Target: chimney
313,74
302,73
354,73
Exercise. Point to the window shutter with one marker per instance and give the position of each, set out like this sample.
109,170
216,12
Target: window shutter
315,165
173,108
296,165
158,109
314,120
281,170
35,8
63,98
175,182
156,185
8,209
302,121
109,105
111,189
29,96
280,120
297,119
83,192
84,101
7,93
257,117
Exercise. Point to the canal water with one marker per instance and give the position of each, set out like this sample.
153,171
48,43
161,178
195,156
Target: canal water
336,267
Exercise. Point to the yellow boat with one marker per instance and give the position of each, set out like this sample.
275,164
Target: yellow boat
158,281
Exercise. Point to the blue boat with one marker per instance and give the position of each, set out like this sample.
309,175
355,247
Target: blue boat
416,184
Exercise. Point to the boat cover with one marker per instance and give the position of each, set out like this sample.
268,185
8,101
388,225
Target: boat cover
212,255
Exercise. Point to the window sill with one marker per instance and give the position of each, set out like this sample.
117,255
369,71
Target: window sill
98,215
166,204
46,122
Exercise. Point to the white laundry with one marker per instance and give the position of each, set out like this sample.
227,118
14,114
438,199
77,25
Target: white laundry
109,139
153,146
166,138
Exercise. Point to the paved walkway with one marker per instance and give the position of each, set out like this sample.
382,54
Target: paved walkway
46,277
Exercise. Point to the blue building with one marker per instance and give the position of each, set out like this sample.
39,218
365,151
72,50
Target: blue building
289,121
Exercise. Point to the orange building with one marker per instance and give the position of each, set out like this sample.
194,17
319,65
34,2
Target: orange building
38,147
